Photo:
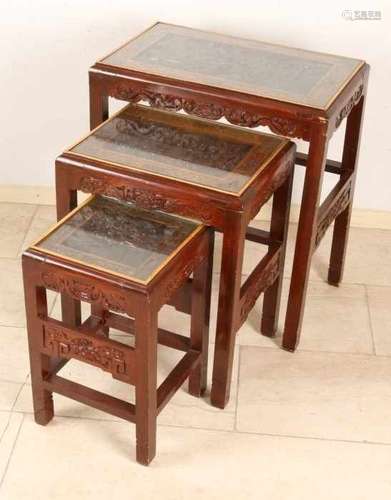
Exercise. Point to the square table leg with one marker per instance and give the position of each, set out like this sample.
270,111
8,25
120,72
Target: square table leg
200,315
99,104
227,316
40,365
305,240
146,382
348,167
308,221
278,233
66,200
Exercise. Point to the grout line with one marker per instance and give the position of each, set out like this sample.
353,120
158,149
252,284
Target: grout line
314,438
12,326
11,453
207,429
9,202
311,351
21,246
11,412
370,321
7,381
225,431
263,434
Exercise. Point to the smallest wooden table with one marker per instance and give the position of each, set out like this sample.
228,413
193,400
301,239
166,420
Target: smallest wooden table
121,260
218,174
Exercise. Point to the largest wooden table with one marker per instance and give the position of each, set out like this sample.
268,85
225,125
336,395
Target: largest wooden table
295,93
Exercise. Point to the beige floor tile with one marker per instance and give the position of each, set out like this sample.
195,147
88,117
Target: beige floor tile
335,320
12,311
43,219
320,395
92,460
8,394
182,410
14,360
15,219
379,299
9,427
368,258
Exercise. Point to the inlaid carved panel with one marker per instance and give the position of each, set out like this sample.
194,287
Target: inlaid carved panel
188,146
173,146
251,67
118,238
103,353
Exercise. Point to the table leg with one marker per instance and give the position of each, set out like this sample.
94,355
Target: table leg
278,233
227,315
66,200
200,314
146,383
99,104
36,306
305,237
348,167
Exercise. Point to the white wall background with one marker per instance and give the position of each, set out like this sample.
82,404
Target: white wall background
46,47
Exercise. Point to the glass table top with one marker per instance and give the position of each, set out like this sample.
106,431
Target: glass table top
118,238
283,73
172,145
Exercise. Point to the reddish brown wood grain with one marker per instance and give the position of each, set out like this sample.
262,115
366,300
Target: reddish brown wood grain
52,343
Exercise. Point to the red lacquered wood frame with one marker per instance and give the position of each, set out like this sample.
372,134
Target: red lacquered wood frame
315,126
224,211
52,343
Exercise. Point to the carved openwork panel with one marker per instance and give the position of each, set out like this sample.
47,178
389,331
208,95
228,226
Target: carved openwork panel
344,112
84,291
261,278
180,277
341,202
103,353
235,114
149,200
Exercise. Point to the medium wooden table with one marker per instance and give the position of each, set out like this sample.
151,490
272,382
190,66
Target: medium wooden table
296,93
213,172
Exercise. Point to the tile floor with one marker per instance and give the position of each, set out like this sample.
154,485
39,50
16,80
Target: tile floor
314,424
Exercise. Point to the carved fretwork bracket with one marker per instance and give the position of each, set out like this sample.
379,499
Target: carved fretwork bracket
263,276
332,210
179,278
262,195
344,112
237,115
